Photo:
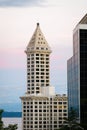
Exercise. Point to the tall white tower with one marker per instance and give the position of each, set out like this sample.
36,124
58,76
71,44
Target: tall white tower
40,105
38,52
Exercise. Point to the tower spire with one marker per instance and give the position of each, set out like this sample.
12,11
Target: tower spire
38,41
37,24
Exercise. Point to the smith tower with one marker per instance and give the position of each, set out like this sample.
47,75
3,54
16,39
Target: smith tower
38,52
42,109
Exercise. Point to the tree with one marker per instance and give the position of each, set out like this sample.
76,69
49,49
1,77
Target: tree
71,123
10,126
1,122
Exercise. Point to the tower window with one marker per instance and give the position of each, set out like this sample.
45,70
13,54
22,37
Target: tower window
28,59
37,54
32,54
37,73
37,58
42,80
37,61
42,54
37,88
37,69
37,80
47,62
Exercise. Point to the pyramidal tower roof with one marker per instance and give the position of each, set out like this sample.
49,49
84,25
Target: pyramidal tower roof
38,41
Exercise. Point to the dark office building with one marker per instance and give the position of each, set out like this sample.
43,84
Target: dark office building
77,72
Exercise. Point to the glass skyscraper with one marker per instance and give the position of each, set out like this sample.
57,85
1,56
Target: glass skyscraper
77,72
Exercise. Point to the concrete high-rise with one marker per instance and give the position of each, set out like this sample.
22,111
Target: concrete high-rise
42,109
77,72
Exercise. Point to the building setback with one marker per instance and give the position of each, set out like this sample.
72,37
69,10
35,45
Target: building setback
42,109
77,72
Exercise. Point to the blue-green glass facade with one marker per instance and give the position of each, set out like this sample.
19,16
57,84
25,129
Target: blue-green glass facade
77,73
73,75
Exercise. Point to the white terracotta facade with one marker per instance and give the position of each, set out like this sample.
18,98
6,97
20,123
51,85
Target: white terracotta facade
42,109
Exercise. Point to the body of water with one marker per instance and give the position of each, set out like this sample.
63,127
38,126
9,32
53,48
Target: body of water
8,121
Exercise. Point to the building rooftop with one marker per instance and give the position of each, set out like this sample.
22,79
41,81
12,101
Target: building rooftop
83,20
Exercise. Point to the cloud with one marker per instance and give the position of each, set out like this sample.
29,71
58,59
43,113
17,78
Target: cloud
15,3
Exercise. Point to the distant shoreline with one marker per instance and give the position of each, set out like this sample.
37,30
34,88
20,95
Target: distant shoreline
12,114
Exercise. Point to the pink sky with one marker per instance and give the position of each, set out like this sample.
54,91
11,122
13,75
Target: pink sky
57,20
12,58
